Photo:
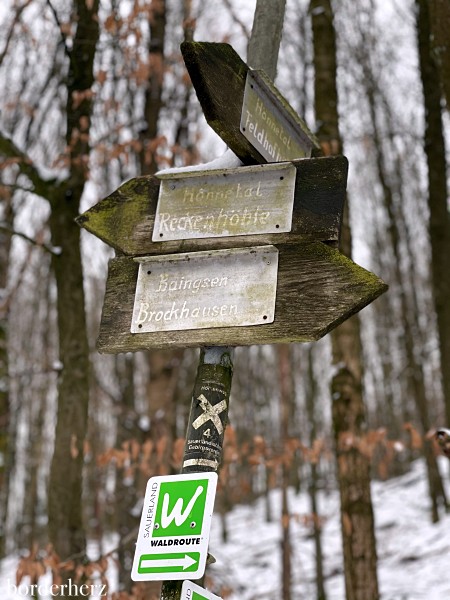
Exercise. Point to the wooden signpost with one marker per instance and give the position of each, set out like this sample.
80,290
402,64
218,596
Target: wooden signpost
228,257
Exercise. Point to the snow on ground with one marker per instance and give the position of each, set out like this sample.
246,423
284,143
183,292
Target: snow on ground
414,555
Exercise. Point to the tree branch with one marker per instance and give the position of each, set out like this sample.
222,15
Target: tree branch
17,16
41,186
231,9
24,236
61,30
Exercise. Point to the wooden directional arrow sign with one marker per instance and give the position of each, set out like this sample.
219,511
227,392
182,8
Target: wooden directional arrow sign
244,107
316,289
233,207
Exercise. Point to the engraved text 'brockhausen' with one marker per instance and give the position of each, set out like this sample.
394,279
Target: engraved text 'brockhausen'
196,290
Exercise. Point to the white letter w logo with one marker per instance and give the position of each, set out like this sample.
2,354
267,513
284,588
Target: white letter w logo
177,514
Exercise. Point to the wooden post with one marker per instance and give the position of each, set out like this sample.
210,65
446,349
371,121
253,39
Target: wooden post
206,426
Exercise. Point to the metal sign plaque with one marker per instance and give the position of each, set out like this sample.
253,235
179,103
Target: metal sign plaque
174,529
270,124
230,202
199,290
192,591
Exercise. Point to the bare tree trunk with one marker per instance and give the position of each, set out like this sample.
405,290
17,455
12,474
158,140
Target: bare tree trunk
65,486
126,494
416,378
440,26
358,534
311,398
286,392
153,93
7,218
439,226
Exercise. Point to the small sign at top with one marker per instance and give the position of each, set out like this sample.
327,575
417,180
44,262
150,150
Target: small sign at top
270,124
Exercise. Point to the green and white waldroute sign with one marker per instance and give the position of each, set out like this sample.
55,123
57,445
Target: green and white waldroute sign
191,591
174,530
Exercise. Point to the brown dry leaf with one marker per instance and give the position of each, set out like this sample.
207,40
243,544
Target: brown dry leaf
285,521
366,448
382,469
123,458
259,442
230,435
74,452
147,449
316,451
79,573
142,72
102,76
292,444
104,458
110,24
347,527
416,438
79,96
84,123
135,449
87,449
161,446
343,467
66,28
177,452
254,460
22,571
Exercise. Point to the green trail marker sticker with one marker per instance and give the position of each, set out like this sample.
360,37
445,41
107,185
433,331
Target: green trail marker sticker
174,530
191,591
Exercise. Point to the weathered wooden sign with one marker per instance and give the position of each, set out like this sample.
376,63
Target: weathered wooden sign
229,202
257,123
128,219
317,288
200,290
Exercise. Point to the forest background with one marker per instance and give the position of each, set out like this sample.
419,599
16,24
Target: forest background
95,93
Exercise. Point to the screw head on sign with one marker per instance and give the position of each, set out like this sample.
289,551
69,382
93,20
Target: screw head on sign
156,526
192,525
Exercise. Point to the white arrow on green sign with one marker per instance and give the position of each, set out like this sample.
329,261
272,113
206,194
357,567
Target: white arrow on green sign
174,530
168,562
191,591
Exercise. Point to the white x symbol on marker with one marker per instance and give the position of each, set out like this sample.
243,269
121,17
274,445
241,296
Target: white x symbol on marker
210,413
